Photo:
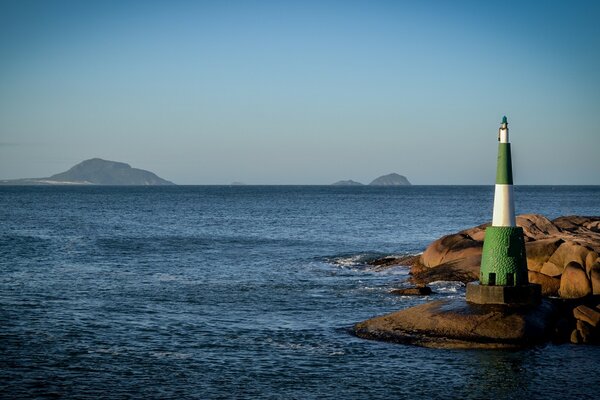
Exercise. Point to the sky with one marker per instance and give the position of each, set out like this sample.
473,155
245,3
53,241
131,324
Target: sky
306,92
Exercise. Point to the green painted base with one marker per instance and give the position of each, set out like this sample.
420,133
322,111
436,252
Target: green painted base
503,262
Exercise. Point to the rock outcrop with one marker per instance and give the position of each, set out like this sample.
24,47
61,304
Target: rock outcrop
413,291
457,324
562,255
587,327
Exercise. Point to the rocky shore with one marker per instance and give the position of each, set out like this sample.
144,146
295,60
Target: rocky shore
562,256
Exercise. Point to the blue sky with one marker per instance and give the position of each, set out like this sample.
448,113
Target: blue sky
302,92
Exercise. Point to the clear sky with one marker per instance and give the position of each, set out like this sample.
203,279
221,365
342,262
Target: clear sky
282,92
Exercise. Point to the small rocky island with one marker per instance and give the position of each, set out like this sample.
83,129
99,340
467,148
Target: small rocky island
392,179
96,171
563,256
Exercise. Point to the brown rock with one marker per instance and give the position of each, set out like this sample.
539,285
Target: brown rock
412,291
477,233
539,251
593,226
566,253
587,314
574,282
451,248
549,285
575,337
536,226
573,223
590,260
586,332
551,269
464,270
595,278
458,324
392,261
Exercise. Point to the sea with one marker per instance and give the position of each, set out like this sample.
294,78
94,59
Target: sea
249,292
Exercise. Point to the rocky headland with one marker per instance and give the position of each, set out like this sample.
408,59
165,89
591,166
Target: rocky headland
96,171
562,257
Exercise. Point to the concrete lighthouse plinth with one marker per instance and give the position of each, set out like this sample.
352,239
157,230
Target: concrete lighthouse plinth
529,294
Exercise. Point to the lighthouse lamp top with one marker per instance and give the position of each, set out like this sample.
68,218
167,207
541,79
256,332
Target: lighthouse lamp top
503,131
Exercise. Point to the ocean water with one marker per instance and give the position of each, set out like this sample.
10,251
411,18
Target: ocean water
247,292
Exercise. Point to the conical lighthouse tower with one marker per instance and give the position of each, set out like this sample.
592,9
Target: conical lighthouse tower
503,273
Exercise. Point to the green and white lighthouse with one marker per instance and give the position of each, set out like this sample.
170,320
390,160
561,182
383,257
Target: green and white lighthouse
503,274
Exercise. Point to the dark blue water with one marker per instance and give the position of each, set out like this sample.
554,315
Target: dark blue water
246,292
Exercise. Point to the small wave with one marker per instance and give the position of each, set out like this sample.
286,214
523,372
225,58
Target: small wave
366,261
447,287
352,260
398,270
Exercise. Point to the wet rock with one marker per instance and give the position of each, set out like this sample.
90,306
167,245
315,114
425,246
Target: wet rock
587,314
574,283
576,337
586,333
413,291
392,261
457,324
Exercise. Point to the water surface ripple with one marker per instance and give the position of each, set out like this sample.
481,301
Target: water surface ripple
247,292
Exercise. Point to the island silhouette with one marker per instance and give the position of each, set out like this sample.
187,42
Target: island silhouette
96,171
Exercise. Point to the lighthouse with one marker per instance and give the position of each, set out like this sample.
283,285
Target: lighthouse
503,273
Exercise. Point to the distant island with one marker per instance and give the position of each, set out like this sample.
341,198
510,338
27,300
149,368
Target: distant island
349,182
96,171
392,179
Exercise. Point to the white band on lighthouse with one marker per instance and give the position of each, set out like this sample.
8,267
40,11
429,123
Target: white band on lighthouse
503,134
504,207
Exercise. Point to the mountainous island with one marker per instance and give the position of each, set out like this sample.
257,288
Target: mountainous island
96,171
392,179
